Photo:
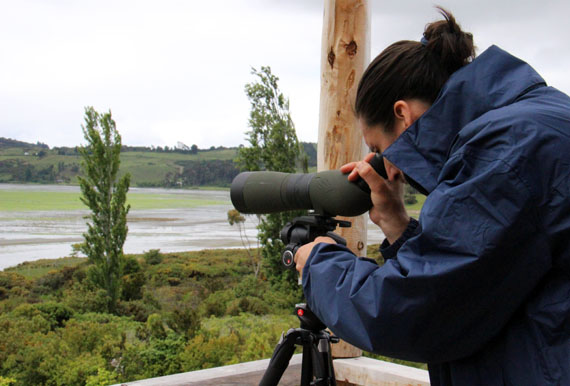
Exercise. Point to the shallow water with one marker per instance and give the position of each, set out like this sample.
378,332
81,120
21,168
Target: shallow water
33,235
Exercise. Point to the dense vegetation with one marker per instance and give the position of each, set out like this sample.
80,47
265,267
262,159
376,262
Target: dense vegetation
178,312
23,162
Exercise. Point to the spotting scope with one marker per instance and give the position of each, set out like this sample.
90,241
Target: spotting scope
328,193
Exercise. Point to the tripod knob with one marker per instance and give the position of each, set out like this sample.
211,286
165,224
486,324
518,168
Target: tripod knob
288,256
308,319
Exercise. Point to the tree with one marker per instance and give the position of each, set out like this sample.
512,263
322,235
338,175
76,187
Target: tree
194,149
273,146
105,194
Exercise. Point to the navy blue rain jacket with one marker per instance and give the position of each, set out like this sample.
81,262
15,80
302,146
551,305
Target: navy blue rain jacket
480,289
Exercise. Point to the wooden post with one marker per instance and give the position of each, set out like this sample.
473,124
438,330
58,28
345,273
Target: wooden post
345,53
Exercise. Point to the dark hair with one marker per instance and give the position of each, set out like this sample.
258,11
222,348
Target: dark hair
409,69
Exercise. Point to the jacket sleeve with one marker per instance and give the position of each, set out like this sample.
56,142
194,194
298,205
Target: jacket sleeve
451,287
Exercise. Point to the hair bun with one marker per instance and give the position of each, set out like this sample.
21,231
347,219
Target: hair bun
445,39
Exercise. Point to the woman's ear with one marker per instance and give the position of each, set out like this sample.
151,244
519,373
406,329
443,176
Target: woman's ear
408,111
403,115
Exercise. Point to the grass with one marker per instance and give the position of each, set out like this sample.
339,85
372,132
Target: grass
415,209
144,166
39,268
19,201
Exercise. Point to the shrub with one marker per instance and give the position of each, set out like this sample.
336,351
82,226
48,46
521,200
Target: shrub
155,326
184,321
153,257
132,286
173,281
410,200
249,304
11,280
84,299
56,313
131,265
216,304
103,377
7,381
137,309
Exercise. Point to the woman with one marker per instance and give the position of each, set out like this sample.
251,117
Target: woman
479,288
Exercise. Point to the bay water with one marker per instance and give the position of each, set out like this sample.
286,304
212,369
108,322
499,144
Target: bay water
32,235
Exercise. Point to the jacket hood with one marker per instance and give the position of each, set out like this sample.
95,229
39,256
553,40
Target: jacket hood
493,80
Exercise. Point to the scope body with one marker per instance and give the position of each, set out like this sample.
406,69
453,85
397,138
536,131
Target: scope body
328,193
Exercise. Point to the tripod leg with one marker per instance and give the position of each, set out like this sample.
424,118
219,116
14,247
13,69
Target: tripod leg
307,369
322,362
280,359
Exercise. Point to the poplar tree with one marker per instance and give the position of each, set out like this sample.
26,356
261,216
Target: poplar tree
105,194
273,146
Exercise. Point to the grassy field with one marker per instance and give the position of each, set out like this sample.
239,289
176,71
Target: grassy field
17,201
414,209
39,268
149,167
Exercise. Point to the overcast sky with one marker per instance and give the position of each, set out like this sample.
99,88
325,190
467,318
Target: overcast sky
175,70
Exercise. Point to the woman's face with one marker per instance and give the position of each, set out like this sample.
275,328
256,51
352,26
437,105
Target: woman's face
406,112
377,138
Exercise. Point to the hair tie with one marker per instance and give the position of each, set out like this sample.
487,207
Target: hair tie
424,41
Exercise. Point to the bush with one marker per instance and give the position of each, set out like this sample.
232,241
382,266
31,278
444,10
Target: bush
52,280
153,257
155,326
247,304
132,286
84,299
217,303
11,280
7,381
136,309
184,320
131,265
410,199
103,377
173,281
56,313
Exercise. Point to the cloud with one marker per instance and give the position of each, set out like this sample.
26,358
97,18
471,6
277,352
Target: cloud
175,70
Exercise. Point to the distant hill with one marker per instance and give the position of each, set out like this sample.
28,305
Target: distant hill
23,162
8,142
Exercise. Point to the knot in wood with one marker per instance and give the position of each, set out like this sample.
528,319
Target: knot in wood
351,48
331,57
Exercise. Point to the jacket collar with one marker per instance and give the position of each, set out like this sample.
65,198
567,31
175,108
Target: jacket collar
493,80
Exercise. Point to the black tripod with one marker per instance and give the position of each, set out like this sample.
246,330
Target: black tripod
317,367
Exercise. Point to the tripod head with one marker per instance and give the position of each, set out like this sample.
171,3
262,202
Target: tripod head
303,230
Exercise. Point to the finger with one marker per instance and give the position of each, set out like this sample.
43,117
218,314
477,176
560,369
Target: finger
351,167
346,168
300,256
368,174
353,176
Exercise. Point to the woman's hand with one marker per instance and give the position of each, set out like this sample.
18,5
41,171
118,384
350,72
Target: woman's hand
388,211
305,250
